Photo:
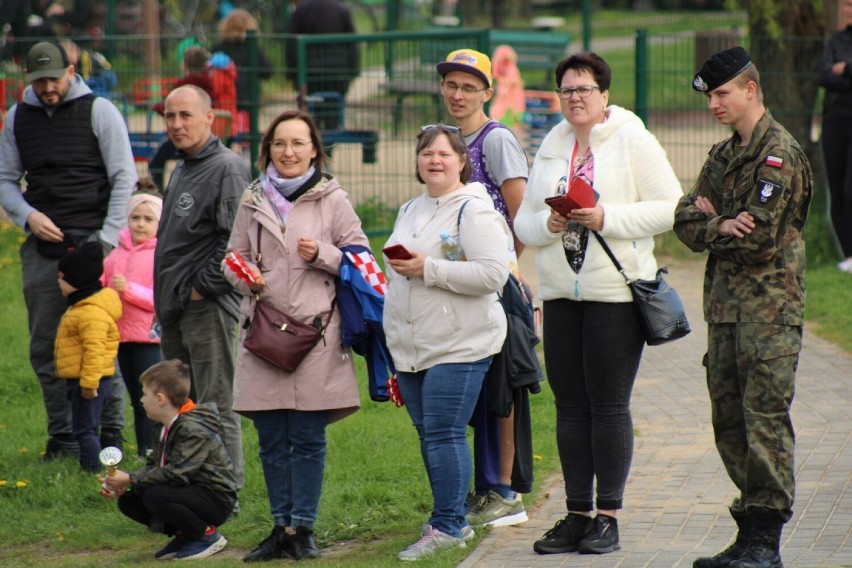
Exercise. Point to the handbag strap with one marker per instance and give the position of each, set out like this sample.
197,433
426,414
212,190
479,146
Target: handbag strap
611,256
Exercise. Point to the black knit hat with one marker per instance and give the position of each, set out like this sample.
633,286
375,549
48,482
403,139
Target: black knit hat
721,68
83,267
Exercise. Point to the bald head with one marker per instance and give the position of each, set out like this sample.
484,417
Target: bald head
189,117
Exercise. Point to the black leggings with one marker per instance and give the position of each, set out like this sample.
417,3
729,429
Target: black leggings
592,352
837,150
188,509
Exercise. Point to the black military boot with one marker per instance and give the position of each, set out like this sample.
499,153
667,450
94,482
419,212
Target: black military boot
733,552
305,545
763,549
112,437
278,544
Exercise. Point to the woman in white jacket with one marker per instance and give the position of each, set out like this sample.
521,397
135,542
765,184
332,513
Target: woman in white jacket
592,339
443,321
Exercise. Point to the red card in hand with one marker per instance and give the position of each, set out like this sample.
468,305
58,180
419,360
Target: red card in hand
240,267
580,195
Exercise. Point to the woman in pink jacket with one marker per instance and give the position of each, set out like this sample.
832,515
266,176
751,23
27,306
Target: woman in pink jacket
129,270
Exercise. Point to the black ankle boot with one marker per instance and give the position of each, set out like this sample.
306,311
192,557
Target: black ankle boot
278,544
111,437
61,445
733,552
763,549
305,545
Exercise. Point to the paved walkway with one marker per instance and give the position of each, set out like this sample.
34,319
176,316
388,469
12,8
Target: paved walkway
677,493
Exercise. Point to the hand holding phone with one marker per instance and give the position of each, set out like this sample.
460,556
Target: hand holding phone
580,195
397,252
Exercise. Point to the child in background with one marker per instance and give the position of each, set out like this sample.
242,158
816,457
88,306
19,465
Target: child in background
188,487
86,345
129,270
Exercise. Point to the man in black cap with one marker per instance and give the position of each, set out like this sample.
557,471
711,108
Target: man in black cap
74,150
747,210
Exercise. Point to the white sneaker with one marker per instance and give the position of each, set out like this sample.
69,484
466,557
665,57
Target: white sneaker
845,265
431,541
498,512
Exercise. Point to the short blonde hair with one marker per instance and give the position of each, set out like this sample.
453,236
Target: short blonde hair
235,25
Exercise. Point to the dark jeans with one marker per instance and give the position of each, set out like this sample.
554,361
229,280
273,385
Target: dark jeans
292,452
169,509
837,150
86,419
134,359
592,352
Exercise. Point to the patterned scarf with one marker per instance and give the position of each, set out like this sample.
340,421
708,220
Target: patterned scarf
278,189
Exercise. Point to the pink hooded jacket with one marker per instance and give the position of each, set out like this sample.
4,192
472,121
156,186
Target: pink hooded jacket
136,264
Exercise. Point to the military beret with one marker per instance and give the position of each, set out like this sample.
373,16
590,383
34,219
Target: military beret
721,68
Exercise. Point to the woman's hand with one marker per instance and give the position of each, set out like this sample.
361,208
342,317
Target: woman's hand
308,249
590,217
259,283
412,267
556,223
119,283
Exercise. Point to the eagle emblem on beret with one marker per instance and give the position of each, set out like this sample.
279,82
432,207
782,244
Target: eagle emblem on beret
699,83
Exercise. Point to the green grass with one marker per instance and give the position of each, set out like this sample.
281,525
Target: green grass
375,495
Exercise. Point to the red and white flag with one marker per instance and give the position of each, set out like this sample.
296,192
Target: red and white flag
774,161
371,271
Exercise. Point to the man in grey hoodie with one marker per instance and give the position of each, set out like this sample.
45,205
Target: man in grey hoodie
74,150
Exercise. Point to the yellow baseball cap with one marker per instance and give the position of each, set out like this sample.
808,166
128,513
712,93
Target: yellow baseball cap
467,61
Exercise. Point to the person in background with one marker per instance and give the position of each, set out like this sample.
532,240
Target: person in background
296,217
509,103
747,210
444,322
86,345
129,270
196,307
502,447
330,67
593,341
92,66
835,75
75,152
188,487
232,42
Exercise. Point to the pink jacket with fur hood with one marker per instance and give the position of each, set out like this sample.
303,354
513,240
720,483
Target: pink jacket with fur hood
136,264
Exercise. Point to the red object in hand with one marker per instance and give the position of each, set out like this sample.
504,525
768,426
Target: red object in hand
580,195
393,392
240,267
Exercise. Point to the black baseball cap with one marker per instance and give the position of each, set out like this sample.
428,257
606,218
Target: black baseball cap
46,59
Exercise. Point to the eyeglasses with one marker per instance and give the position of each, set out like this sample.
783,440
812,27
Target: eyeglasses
465,89
583,90
298,146
444,127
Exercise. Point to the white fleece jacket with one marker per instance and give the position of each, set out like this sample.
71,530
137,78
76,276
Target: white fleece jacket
452,314
638,193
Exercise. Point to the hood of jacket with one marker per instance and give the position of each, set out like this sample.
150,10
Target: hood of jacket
107,299
554,144
205,415
125,241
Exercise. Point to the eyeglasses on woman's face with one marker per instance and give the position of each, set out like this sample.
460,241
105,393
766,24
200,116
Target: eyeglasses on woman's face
582,90
298,146
467,90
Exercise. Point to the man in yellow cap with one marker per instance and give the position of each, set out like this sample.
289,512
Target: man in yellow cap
502,446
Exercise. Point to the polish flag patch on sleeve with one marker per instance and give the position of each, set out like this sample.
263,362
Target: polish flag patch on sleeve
774,161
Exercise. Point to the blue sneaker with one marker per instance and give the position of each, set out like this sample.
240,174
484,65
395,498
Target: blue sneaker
207,545
172,547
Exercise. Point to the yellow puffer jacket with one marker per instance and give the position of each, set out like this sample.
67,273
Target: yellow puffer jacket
87,339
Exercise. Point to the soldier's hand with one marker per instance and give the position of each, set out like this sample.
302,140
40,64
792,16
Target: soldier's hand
705,205
43,228
739,226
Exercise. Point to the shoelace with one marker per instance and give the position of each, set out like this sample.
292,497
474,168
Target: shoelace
425,538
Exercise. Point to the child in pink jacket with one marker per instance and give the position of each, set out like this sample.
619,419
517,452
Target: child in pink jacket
129,270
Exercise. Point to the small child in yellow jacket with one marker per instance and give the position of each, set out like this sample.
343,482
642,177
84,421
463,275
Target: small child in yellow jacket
86,345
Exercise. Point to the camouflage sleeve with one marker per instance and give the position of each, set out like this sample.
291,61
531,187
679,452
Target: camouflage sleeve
776,193
188,454
695,228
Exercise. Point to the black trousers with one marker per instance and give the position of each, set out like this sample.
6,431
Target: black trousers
169,509
837,150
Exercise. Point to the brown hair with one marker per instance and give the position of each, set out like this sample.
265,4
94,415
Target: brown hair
235,25
195,59
145,184
591,62
320,160
169,377
454,135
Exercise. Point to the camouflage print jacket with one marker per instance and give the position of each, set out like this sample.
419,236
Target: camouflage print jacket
195,454
761,277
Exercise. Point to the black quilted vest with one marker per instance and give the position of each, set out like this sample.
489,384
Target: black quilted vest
66,176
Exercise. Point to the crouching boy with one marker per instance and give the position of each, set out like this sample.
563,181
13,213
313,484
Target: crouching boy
188,487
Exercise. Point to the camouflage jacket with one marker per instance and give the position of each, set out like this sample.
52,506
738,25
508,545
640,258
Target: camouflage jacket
195,454
761,277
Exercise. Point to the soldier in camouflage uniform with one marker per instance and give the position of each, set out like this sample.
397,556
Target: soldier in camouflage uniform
747,210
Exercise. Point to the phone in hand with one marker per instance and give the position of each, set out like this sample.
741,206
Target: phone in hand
397,252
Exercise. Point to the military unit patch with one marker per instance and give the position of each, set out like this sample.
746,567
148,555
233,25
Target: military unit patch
768,190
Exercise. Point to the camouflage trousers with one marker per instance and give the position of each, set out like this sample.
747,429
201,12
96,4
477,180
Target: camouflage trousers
751,369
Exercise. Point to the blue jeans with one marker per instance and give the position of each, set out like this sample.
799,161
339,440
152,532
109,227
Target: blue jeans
86,420
292,453
440,401
134,359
